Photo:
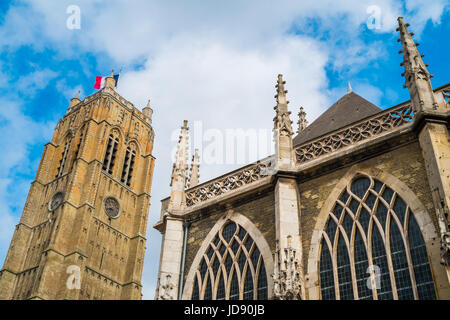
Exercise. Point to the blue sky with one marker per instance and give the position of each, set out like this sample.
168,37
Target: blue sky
209,61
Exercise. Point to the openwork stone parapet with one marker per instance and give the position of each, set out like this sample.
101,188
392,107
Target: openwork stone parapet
389,120
225,184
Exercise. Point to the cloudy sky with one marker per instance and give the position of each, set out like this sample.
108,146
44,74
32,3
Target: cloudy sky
211,62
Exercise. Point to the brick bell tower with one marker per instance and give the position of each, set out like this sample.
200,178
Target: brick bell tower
82,230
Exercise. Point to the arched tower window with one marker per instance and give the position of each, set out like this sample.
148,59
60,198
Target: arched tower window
62,162
232,268
373,248
110,154
128,164
77,151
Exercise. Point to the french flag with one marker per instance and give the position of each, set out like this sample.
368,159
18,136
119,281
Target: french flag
100,81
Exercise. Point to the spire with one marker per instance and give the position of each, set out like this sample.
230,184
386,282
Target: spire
302,122
417,77
148,112
179,171
349,87
195,166
282,120
283,129
281,93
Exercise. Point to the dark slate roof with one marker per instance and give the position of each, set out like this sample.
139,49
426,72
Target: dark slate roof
348,109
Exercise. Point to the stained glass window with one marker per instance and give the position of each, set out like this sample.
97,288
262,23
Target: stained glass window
234,251
382,230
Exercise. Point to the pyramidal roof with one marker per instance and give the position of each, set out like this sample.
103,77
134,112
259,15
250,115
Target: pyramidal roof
348,109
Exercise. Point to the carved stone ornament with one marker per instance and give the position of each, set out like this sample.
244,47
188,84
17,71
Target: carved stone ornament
286,276
229,182
445,249
166,289
380,123
112,207
56,201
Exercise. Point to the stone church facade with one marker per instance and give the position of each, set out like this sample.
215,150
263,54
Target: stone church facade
82,230
355,206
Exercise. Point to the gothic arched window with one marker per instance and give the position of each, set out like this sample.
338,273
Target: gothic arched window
232,268
62,161
111,150
128,164
373,248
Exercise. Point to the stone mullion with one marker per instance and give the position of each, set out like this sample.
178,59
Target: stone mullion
249,262
405,237
387,246
210,272
377,224
256,278
370,252
351,250
206,276
348,249
335,263
199,280
330,244
230,280
351,240
244,273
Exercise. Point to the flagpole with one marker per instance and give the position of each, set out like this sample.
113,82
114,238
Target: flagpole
117,85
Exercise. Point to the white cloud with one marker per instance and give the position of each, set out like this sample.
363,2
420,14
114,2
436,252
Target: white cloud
35,81
19,133
420,12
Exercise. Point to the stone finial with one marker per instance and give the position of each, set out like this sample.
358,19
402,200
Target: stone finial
349,87
148,112
282,120
281,93
110,81
179,171
302,122
195,170
417,77
75,100
283,129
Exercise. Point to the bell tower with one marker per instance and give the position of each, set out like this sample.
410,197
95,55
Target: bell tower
82,230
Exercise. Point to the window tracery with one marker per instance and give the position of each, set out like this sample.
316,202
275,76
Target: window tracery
232,268
110,154
372,237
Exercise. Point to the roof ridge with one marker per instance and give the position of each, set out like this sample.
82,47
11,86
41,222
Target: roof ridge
334,117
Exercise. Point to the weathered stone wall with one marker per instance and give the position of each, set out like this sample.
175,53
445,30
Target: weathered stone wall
260,211
405,163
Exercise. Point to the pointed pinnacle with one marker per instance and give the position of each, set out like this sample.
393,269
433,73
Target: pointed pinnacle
281,92
411,57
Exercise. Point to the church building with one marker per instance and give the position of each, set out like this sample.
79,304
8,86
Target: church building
354,206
